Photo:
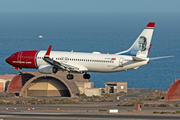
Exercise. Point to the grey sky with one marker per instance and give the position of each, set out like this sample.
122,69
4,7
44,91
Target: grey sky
89,5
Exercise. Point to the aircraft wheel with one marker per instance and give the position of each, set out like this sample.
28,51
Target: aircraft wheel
54,70
70,76
86,76
20,71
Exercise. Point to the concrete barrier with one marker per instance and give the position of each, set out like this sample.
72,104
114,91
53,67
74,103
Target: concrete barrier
113,111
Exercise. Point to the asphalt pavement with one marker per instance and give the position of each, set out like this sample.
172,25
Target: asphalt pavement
85,116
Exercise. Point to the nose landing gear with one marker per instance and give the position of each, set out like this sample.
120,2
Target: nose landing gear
20,71
70,76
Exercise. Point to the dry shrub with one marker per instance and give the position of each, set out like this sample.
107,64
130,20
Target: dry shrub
164,105
102,110
131,103
130,110
176,105
156,112
165,112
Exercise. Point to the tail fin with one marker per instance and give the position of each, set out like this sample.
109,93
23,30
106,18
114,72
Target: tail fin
142,45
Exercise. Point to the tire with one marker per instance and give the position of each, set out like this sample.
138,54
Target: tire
70,76
54,70
86,76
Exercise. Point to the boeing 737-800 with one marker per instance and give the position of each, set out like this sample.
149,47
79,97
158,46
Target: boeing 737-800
49,62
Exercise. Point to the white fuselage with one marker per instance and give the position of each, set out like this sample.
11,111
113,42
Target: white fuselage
92,62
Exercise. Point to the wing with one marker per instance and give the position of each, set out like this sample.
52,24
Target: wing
63,66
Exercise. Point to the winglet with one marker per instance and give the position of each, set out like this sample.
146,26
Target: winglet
48,51
150,25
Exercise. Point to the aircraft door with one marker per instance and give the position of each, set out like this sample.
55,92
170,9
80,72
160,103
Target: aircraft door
19,56
121,62
65,59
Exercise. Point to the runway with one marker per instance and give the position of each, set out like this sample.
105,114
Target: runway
84,112
87,106
85,116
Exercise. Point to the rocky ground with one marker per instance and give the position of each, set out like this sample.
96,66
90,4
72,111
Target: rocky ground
143,97
134,96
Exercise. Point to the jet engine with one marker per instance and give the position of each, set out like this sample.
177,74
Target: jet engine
47,69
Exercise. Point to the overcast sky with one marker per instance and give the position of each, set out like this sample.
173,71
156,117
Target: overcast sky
89,5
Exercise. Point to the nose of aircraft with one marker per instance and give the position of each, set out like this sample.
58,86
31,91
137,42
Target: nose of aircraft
8,60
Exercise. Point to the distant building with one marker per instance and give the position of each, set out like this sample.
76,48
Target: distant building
37,84
4,81
115,87
173,93
82,86
93,91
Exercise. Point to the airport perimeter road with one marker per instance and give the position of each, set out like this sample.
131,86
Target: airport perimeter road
84,116
141,92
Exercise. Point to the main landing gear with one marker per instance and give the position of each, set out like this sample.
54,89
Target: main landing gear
20,71
86,76
70,76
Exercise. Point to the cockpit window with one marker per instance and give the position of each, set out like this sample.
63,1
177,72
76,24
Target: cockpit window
12,55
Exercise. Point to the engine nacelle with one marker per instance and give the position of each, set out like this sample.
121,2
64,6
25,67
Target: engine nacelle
47,69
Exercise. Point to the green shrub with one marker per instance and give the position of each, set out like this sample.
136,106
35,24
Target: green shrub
178,111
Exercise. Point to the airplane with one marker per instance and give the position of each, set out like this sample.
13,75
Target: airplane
49,62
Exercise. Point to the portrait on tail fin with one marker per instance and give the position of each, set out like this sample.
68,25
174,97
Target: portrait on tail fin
142,46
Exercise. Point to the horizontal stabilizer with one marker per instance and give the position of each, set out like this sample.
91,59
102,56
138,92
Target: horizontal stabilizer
138,59
160,57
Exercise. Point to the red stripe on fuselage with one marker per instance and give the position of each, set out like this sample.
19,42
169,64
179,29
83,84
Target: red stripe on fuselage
23,59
